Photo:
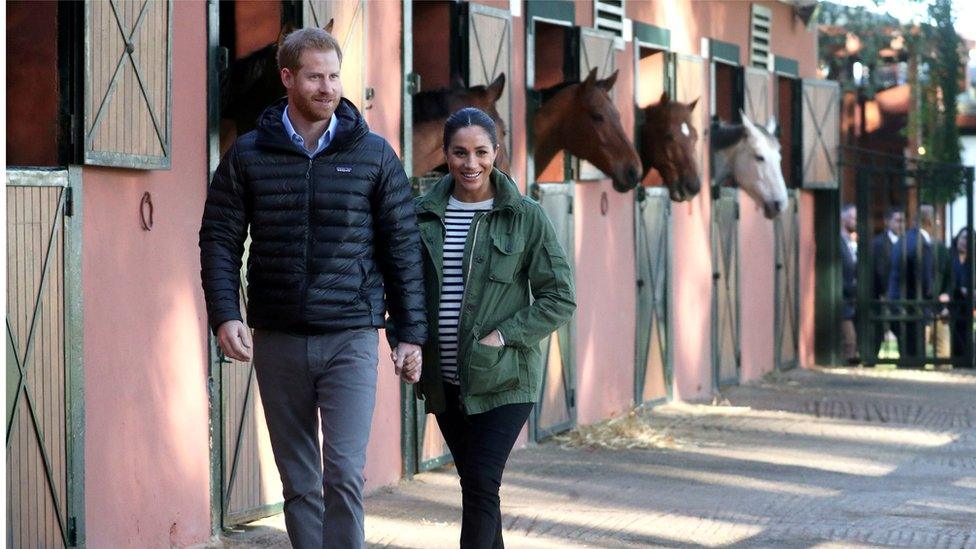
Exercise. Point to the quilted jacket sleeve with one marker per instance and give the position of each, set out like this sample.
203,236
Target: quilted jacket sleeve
222,235
398,251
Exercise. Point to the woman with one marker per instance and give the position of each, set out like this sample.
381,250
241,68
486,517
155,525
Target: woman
961,284
486,250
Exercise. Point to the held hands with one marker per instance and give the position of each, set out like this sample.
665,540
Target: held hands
493,339
407,362
234,339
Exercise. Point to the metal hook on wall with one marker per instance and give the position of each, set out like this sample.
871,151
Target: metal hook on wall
146,212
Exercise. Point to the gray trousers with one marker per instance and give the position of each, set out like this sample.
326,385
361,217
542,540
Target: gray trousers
302,379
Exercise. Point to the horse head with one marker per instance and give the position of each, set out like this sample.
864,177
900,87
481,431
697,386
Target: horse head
581,119
751,155
668,140
432,108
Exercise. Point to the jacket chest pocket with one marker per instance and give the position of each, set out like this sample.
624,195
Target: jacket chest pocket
506,257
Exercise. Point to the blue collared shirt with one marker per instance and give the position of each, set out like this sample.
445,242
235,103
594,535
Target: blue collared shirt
300,141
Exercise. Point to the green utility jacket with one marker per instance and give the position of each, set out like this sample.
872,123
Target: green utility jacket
516,280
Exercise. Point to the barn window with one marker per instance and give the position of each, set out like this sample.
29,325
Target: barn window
128,83
39,83
759,36
609,15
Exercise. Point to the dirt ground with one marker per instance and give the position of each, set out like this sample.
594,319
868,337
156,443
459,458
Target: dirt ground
809,458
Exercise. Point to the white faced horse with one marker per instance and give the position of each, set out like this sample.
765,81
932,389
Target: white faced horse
750,155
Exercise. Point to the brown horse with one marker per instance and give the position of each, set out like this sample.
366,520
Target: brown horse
668,139
580,118
432,108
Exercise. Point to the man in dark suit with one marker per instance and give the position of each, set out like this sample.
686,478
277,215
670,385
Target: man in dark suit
881,247
912,277
848,256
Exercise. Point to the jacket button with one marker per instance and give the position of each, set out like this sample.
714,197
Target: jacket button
508,248
479,259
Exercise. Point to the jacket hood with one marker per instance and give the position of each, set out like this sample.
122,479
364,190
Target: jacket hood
350,127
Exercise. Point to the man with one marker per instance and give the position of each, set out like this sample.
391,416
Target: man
912,277
331,223
848,255
881,247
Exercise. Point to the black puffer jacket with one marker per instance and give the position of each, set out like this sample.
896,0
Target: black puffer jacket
326,233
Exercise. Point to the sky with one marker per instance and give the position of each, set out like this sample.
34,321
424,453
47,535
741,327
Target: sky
906,10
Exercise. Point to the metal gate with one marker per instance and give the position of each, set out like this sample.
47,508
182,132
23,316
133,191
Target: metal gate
45,414
927,301
725,287
787,325
556,410
653,373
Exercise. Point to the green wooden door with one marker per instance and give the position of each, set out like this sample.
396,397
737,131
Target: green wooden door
652,374
725,287
787,327
555,411
45,417
251,487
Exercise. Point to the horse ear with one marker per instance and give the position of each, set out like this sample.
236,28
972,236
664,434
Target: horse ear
771,126
496,88
746,122
664,98
285,30
608,82
691,106
328,26
590,78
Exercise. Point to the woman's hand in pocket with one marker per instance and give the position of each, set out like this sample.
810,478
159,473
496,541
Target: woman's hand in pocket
493,339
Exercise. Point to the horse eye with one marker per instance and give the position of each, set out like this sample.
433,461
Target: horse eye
597,117
669,136
759,158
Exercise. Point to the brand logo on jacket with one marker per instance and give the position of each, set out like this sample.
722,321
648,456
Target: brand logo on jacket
343,169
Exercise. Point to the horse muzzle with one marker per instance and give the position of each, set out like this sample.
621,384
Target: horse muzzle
772,208
626,181
685,188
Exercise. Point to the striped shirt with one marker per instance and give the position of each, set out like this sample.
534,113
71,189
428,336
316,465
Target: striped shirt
458,221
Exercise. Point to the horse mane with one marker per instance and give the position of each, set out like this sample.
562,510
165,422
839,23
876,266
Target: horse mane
548,93
727,135
237,79
431,105
436,104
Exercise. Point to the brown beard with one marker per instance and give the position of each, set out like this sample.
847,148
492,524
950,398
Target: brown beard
310,111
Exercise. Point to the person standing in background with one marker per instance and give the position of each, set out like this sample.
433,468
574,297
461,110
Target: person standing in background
881,246
848,255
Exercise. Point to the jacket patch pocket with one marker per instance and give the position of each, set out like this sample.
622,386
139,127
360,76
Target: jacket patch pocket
506,255
492,369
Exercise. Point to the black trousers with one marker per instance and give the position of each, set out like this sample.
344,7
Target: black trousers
480,445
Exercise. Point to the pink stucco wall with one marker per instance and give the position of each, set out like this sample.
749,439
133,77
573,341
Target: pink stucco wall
808,253
383,70
606,306
757,296
147,460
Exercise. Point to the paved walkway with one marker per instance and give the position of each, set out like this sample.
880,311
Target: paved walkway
822,458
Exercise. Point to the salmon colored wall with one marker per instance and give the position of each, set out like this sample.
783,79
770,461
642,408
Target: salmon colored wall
757,290
808,253
606,309
147,458
383,73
